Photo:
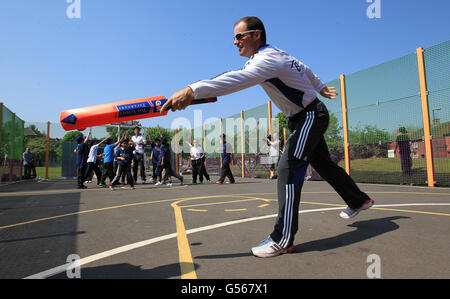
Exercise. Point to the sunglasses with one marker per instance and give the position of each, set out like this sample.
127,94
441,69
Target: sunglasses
240,35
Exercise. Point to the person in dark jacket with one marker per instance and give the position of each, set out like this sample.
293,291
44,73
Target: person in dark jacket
403,145
227,157
124,160
164,163
156,150
82,152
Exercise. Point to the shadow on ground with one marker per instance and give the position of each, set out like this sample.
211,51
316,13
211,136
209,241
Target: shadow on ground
365,230
128,271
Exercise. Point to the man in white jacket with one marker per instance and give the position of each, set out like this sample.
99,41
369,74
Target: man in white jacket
292,86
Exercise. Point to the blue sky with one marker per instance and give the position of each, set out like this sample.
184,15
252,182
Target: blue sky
121,50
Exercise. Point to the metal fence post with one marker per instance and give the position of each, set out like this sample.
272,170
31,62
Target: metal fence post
23,148
1,127
13,150
269,108
176,151
242,145
425,117
221,132
345,123
47,150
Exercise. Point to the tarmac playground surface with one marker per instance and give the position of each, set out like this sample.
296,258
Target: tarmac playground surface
206,231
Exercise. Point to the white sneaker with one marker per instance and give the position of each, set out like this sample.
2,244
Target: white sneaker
158,184
169,184
111,188
349,213
132,188
268,248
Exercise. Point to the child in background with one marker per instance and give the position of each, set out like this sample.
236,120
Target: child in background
124,159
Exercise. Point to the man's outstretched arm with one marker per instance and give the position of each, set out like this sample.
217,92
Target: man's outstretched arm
254,73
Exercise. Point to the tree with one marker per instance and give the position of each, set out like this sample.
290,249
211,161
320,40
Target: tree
38,146
112,130
368,141
71,136
368,135
334,132
154,133
36,130
282,123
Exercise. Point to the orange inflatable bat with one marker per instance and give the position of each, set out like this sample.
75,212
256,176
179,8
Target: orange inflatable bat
104,114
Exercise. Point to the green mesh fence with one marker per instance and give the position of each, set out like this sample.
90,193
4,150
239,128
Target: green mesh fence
437,70
386,146
212,142
384,119
211,145
386,137
11,146
334,135
256,130
231,127
381,100
18,138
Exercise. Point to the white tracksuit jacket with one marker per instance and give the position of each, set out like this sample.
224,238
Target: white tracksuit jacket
289,83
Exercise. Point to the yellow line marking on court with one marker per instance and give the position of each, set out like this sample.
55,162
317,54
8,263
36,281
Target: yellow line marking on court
385,209
322,204
263,205
196,210
107,208
411,211
65,191
408,192
185,256
49,192
186,199
85,212
221,202
235,210
129,247
187,267
186,261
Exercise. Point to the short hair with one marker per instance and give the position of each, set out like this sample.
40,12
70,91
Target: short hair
254,23
137,128
403,130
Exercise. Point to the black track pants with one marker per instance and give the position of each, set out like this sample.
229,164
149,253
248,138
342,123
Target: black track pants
306,145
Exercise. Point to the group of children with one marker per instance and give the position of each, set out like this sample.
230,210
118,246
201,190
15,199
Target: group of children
122,159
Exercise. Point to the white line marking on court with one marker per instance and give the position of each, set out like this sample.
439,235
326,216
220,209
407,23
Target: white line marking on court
122,249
